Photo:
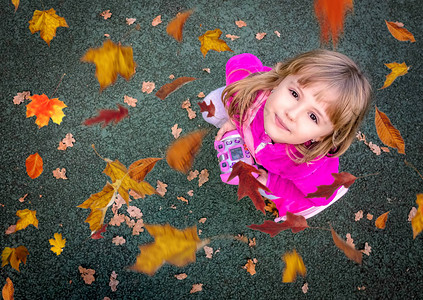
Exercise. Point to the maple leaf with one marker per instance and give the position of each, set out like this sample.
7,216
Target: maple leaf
348,250
397,70
210,109
171,245
14,256
417,220
387,133
381,221
46,22
34,165
181,153
44,108
27,217
399,32
293,222
97,234
331,15
8,290
248,185
58,243
210,41
294,266
344,178
111,60
169,88
176,25
108,115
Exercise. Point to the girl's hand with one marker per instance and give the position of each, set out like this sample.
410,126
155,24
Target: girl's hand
228,126
262,177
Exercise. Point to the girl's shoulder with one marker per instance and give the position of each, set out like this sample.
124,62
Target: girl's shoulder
242,65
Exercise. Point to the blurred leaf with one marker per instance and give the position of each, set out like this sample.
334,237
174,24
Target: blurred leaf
293,222
294,266
417,220
169,88
176,26
348,250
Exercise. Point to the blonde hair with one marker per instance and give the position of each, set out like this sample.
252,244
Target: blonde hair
336,72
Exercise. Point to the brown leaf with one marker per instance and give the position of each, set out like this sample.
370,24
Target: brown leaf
250,266
169,88
139,169
8,290
175,27
349,251
387,133
381,221
344,178
293,222
399,32
209,108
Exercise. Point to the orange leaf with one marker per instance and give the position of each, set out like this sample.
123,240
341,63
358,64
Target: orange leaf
169,88
181,153
399,32
381,221
294,266
344,178
417,220
293,222
46,22
331,15
250,266
44,108
111,59
34,165
387,133
16,4
14,256
248,185
139,169
175,27
8,290
396,71
210,41
349,250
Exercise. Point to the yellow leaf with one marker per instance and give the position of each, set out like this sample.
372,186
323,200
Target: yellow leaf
171,245
396,71
16,4
14,256
34,165
110,60
210,41
46,22
387,133
381,221
294,266
27,217
417,221
399,32
58,243
8,290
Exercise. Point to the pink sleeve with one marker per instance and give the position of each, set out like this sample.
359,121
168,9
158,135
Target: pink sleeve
242,65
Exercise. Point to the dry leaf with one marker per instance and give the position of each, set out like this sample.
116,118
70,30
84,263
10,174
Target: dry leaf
209,251
60,173
190,193
411,214
358,215
113,282
8,289
134,212
192,175
161,188
341,179
396,71
176,131
196,288
117,219
206,70
130,21
157,20
367,249
68,140
293,222
27,217
350,241
16,4
211,41
201,95
294,266
250,266
202,220
106,14
252,242
169,88
138,227
181,276
118,240
369,217
46,22
348,250
182,199
203,178
21,97
417,221
210,109
11,229
399,32
87,275
176,26
44,108
148,87
232,37
22,199
277,33
305,288
139,169
58,243
240,23
130,101
14,256
260,35
387,133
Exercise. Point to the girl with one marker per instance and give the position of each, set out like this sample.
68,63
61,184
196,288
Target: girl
296,119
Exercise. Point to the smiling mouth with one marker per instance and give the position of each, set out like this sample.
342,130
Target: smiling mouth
280,123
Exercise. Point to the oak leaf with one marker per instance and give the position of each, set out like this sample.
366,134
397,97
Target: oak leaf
148,87
87,274
44,108
250,266
294,266
399,32
130,101
8,289
293,222
198,287
381,221
417,220
240,23
176,25
203,177
181,153
348,250
171,245
248,185
210,108
106,116
46,22
58,243
387,133
161,188
169,88
110,60
396,71
27,217
210,41
21,97
14,256
34,165
176,131
60,173
341,179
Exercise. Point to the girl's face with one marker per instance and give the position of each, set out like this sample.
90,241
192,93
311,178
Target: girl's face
292,114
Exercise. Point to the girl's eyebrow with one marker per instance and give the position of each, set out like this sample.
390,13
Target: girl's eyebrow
298,87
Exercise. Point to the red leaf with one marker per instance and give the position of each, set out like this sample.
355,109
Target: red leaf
169,88
209,108
293,222
97,235
108,115
346,179
248,185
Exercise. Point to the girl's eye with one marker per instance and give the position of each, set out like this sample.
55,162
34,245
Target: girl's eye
294,94
313,117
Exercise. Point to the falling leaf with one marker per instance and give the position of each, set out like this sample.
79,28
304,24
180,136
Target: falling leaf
381,221
181,153
176,131
240,23
27,217
399,32
176,25
46,22
171,245
87,275
148,87
157,20
232,37
106,116
341,179
250,266
294,266
358,215
21,97
260,35
210,109
118,240
293,222
161,188
181,276
44,108
58,243
397,70
139,169
387,133
111,59
331,15
8,289
130,21
198,287
34,165
130,101
60,173
210,41
169,88
204,177
248,185
349,251
14,256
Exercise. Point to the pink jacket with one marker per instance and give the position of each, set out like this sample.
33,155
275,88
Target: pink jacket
286,179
